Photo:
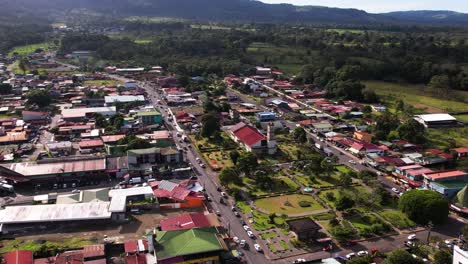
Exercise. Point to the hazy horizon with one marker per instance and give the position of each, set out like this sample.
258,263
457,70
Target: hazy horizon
383,6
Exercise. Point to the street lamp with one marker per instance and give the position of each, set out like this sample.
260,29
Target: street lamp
430,226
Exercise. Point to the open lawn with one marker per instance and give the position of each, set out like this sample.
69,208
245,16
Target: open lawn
442,137
27,49
463,118
420,97
205,144
218,159
102,83
288,204
368,224
397,218
323,216
280,185
269,235
344,30
351,191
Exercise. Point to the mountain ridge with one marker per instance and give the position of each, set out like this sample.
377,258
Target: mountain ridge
236,10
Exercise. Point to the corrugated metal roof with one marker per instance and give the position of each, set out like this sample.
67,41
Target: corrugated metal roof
35,169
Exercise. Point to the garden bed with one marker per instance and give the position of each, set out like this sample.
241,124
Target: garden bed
289,204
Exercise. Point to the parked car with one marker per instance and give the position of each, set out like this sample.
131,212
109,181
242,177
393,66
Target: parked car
218,213
350,255
246,227
362,253
223,194
299,260
412,237
351,161
236,240
236,214
258,247
250,234
395,190
242,243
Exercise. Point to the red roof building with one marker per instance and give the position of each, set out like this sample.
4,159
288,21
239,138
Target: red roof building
136,259
136,246
247,134
186,221
18,257
461,152
91,144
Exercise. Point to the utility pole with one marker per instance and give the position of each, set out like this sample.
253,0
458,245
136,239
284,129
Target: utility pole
430,226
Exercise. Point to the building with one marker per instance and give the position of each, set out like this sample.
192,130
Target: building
149,117
265,116
364,148
59,148
79,114
34,117
436,120
364,136
322,127
18,257
304,228
122,99
91,145
60,171
189,221
460,255
461,152
121,197
176,195
154,156
84,196
378,108
197,245
253,140
411,175
447,183
262,70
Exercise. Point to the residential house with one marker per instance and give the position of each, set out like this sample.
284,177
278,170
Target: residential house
59,148
363,136
461,152
189,221
35,117
412,175
154,156
177,195
18,257
363,148
378,108
322,127
252,140
149,117
123,99
265,116
304,228
80,114
262,70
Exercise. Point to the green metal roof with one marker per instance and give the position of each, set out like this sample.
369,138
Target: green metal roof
144,151
187,242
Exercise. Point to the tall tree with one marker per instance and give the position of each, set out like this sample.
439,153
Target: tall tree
300,135
5,88
40,98
400,256
210,124
412,131
247,163
441,84
424,206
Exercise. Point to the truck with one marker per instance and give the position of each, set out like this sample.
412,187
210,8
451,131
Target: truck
136,180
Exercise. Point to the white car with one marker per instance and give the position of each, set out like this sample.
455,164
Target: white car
223,194
299,260
258,247
395,190
412,237
350,255
236,240
250,234
362,253
352,161
218,213
246,228
242,243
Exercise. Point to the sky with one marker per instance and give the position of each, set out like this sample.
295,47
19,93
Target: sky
381,6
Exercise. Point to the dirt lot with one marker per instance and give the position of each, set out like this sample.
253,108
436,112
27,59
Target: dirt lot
97,231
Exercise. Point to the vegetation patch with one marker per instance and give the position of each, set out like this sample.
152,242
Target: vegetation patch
397,218
268,235
42,248
27,49
288,204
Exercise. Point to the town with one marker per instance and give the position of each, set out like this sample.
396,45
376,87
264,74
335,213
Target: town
130,163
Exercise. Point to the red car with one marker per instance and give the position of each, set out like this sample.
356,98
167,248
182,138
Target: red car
351,243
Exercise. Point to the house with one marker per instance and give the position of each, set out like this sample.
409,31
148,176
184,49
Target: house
149,117
188,221
411,175
262,70
378,108
61,147
461,152
90,146
154,156
448,183
322,127
436,120
363,136
13,138
18,257
176,195
197,245
304,228
280,104
253,140
265,116
363,148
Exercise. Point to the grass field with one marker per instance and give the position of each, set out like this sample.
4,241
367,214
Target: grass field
442,137
27,49
102,83
351,191
419,97
281,184
218,159
288,204
268,235
143,41
343,31
463,118
397,218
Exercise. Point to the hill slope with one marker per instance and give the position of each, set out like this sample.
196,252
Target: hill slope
230,10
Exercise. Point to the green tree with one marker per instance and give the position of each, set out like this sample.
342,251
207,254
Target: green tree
23,65
344,202
400,256
345,180
384,124
300,135
229,175
328,166
424,206
40,98
234,155
247,163
412,131
138,143
360,260
441,84
210,124
343,233
442,257
5,88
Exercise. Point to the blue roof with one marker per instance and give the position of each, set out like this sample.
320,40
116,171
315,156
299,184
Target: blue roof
266,113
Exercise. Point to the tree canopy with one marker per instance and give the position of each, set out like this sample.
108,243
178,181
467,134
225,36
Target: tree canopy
424,206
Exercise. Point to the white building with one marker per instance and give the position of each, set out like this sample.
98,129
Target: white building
436,120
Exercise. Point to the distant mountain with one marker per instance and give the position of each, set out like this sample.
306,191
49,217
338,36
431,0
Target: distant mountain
230,10
432,17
